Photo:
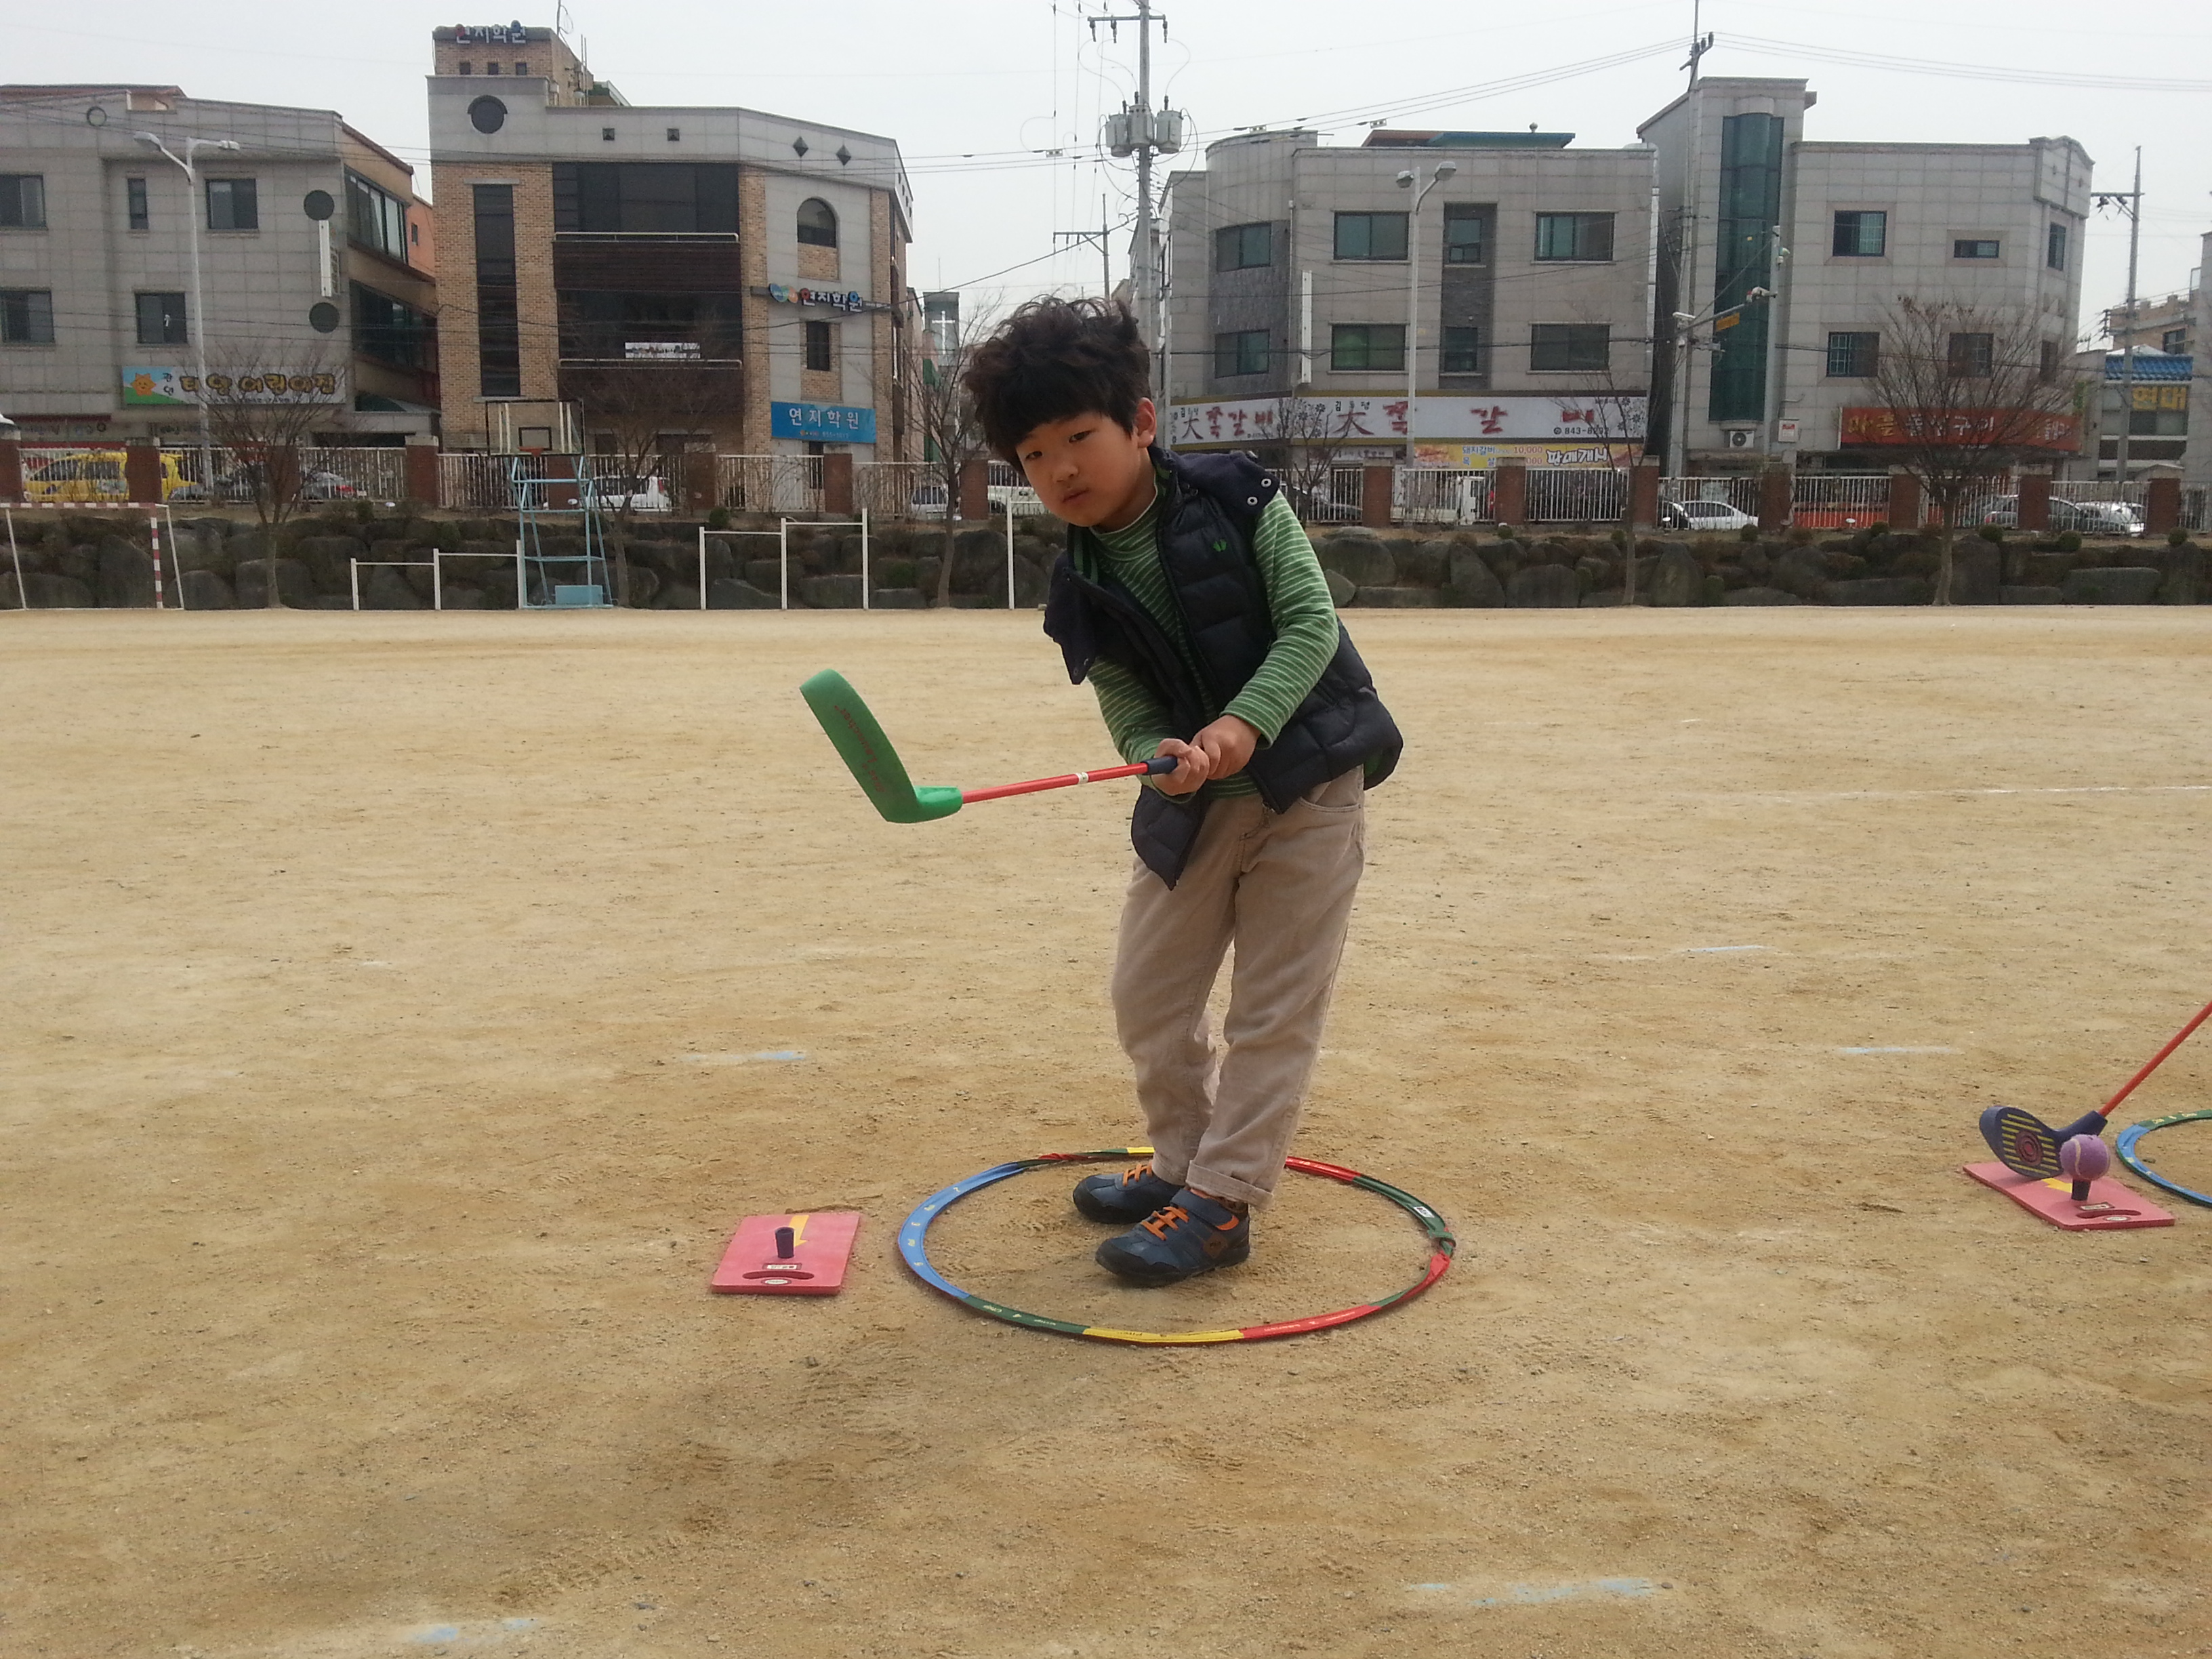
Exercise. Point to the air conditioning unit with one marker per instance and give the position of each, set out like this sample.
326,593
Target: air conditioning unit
1741,440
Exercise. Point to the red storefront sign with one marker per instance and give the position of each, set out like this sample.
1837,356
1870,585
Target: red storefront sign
2024,429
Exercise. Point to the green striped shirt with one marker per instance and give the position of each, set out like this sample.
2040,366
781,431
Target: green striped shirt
1298,603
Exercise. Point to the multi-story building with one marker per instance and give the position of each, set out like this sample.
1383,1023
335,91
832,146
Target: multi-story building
746,270
1289,278
1839,232
96,274
2167,323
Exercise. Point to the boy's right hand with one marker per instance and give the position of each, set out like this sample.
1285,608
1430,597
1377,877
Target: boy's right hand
1191,766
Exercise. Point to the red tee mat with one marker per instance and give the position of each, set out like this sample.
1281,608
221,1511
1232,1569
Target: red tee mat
821,1246
2108,1209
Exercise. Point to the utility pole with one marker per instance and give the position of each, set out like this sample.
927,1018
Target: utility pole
1677,436
1100,235
1139,130
2130,202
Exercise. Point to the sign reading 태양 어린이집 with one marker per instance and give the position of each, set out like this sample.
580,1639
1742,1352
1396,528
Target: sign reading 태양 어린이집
1593,417
172,387
835,423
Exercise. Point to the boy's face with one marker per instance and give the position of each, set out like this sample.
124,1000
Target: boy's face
1090,470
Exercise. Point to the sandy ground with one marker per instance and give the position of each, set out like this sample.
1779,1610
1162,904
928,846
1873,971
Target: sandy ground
382,998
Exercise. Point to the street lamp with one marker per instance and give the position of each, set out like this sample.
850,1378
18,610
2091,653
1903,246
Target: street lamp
1406,181
192,147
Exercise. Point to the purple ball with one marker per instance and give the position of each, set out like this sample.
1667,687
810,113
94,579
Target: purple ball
2085,1157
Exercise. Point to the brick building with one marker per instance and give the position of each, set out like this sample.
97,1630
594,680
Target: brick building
758,261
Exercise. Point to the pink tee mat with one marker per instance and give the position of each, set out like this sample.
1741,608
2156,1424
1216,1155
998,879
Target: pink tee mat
2108,1209
801,1255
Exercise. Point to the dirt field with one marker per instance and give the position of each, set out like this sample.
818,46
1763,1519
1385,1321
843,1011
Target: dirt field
383,1013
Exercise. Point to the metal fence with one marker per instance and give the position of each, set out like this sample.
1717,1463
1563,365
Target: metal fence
768,483
1439,495
377,474
1839,500
1576,494
899,489
1331,497
482,479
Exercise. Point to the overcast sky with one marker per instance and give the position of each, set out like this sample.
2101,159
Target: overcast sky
973,91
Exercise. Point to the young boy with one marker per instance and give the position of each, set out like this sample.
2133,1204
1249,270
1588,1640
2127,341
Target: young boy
1190,598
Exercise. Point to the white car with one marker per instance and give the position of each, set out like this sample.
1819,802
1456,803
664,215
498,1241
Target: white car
928,500
1703,515
1017,499
2105,518
636,494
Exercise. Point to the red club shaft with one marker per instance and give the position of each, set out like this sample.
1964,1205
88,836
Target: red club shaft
1064,781
2157,1058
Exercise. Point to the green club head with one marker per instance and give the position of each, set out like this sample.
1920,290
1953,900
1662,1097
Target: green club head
874,763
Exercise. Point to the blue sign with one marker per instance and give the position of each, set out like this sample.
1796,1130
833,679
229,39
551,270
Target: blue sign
832,424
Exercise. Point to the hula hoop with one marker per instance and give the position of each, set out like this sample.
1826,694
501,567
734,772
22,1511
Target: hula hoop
2135,1132
1442,1244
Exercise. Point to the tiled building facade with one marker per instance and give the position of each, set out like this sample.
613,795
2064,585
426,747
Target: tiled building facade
591,245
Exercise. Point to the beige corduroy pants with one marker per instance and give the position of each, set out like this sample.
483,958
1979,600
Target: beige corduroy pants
1279,886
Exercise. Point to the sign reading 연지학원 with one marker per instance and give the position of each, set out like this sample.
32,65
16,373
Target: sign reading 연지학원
835,423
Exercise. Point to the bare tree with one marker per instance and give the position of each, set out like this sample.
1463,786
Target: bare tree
1313,438
265,408
952,437
641,408
1968,392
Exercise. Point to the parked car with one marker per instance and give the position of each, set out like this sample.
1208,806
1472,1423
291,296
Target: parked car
1015,498
2086,518
929,500
633,495
241,485
96,475
1703,515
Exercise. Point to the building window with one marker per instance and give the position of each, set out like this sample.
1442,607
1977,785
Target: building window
1240,247
676,135
392,332
1861,236
1971,356
375,219
606,135
1853,356
644,197
499,314
1970,247
1245,352
135,205
817,222
22,201
233,205
1587,347
2174,339
491,66
1371,236
1574,236
819,346
1463,230
1353,347
2054,248
26,316
468,68
1462,353
161,320
521,68
2047,368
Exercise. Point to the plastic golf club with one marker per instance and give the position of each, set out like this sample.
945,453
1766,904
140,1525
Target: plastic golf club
2029,1146
875,765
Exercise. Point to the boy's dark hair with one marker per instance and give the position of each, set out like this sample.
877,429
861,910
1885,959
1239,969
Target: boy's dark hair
1054,360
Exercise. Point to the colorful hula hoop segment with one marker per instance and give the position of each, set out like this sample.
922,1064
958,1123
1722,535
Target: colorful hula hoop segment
2135,1132
913,1248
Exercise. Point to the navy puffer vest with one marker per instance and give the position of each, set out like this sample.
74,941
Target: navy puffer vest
1210,508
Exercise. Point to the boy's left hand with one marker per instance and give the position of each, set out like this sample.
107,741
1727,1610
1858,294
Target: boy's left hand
1228,743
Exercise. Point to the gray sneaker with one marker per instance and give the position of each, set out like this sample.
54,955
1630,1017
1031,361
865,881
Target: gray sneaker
1129,1196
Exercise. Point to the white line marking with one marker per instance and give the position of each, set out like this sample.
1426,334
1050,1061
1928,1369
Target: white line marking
1720,950
1887,1050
